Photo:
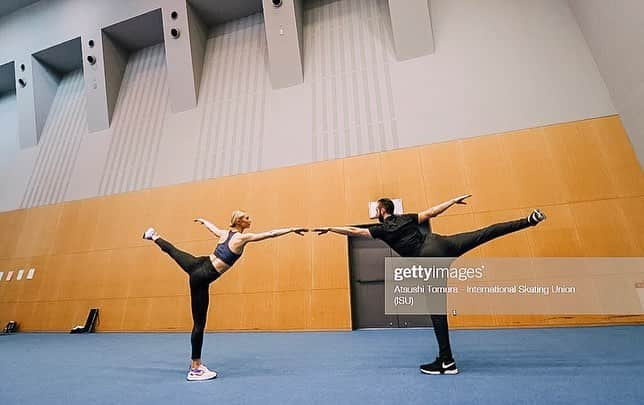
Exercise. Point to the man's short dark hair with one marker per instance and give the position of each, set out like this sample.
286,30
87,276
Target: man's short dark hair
387,204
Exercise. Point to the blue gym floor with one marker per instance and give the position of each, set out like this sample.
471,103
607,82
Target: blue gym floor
568,365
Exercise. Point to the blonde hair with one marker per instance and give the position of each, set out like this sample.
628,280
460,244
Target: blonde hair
237,215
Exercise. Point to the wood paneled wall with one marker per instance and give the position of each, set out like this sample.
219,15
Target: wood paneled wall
88,253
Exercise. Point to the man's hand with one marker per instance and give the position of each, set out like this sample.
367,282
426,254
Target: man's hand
199,220
321,231
461,199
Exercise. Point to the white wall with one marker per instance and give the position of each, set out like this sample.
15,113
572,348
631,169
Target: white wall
615,33
499,65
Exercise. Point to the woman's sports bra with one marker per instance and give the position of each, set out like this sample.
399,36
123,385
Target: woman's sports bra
223,252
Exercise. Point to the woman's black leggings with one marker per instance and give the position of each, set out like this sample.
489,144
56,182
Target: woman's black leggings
454,246
201,273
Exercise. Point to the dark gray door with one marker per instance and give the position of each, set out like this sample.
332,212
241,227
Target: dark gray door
367,267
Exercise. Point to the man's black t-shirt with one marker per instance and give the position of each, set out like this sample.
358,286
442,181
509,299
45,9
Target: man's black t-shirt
401,232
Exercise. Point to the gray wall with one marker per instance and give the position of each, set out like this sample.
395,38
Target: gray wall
499,65
59,145
614,31
9,133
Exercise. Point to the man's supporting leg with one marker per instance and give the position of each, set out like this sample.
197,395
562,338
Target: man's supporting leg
441,330
444,363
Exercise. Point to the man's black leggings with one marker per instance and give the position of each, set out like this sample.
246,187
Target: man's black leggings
201,273
454,246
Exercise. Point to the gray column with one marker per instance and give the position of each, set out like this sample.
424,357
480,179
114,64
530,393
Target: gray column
284,34
7,78
185,44
34,98
412,28
104,64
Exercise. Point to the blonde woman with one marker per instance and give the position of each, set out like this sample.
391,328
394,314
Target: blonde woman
204,270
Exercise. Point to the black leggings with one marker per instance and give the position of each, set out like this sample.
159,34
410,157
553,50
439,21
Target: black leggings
201,273
454,246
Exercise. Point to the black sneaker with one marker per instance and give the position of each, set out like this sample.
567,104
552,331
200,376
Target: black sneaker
536,216
440,366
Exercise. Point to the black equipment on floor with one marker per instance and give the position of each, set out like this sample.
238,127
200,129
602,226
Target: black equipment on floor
90,324
12,327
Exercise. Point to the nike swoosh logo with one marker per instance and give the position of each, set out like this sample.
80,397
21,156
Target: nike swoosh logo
448,365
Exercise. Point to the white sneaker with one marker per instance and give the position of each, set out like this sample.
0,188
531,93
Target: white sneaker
201,373
149,233
536,216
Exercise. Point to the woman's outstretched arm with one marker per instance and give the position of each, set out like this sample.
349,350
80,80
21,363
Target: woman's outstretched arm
440,208
256,237
211,227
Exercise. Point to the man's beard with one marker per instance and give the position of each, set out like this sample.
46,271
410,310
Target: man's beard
381,219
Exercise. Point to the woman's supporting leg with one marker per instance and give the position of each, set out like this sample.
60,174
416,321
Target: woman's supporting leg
187,261
199,302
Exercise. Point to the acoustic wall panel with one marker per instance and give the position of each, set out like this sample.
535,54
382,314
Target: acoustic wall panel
61,138
137,122
232,100
348,53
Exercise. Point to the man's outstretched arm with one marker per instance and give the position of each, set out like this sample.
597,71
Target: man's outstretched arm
440,208
344,230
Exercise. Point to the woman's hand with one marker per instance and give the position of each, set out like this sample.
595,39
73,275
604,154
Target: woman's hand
300,231
199,220
461,199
